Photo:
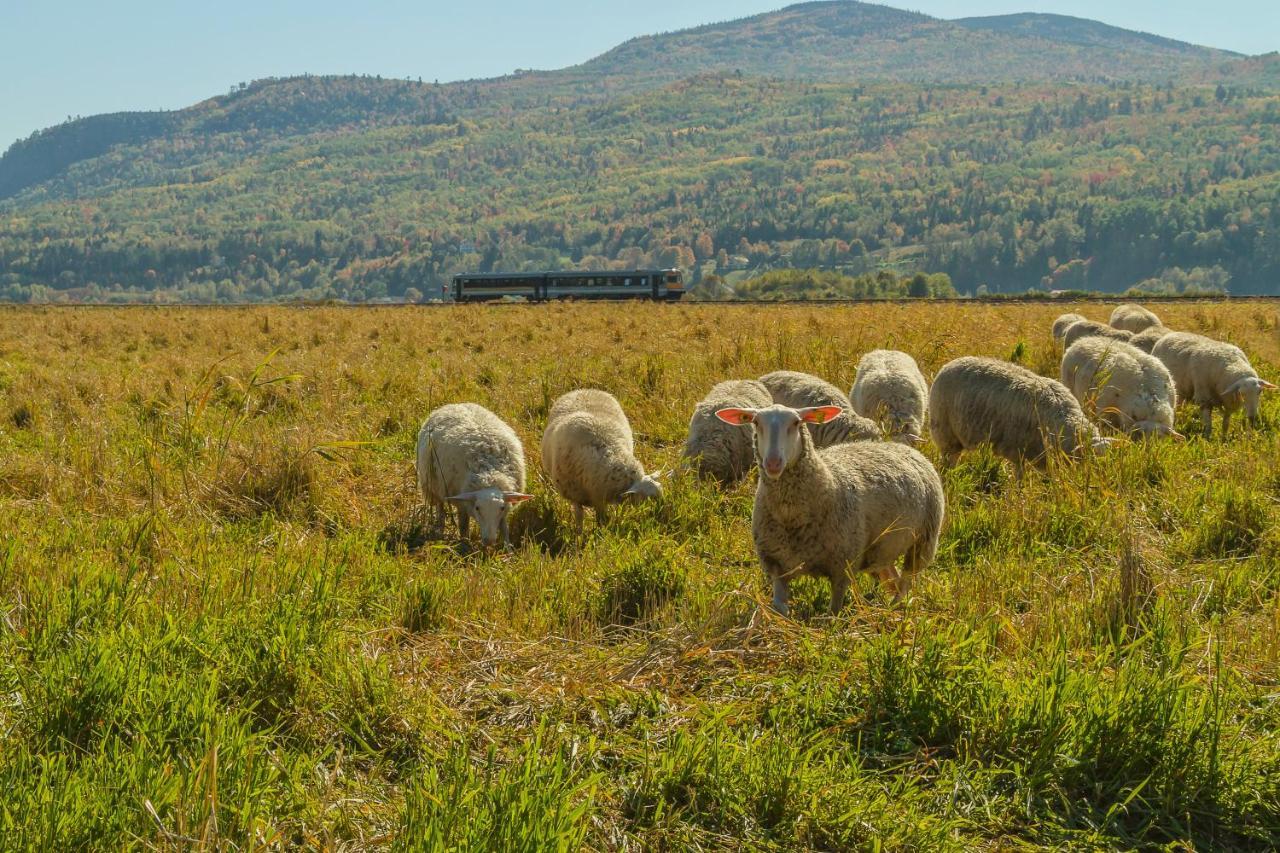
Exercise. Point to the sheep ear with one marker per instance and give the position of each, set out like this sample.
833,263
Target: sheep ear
660,473
913,438
737,417
1173,433
1267,386
465,497
516,497
819,414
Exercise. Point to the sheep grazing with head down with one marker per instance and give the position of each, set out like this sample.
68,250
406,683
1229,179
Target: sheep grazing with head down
1022,415
469,457
803,390
1122,385
890,388
588,452
1064,322
1213,375
1133,318
1090,329
717,450
832,512
1147,338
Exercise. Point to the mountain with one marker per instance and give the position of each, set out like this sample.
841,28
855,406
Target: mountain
754,142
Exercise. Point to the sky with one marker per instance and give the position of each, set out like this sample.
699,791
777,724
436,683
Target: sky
61,58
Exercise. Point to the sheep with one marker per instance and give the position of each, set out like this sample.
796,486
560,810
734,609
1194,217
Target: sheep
588,452
1088,328
801,389
1022,415
1146,339
889,385
1126,387
836,511
1064,322
717,450
469,457
1133,318
1213,375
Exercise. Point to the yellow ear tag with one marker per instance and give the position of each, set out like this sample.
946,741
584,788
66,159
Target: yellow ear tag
821,418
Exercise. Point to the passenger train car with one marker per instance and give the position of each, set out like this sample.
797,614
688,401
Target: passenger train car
539,287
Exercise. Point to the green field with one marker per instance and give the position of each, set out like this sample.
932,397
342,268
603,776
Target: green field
224,624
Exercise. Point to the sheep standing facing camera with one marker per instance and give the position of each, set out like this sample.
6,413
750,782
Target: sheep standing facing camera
588,451
890,386
716,449
1022,415
831,512
469,457
1127,388
1213,375
801,390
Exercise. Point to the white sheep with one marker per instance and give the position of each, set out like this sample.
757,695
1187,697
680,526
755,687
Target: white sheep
1022,415
801,390
1146,339
716,449
1088,329
1213,375
588,451
1133,318
469,457
832,512
890,388
1122,385
1064,322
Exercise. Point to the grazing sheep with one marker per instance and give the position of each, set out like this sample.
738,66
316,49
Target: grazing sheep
1022,415
1213,375
589,454
839,510
469,457
1123,385
1133,318
1064,322
1090,329
890,386
800,390
716,449
1146,339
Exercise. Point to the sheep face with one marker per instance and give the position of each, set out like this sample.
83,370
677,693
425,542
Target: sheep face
1246,394
779,436
488,508
645,488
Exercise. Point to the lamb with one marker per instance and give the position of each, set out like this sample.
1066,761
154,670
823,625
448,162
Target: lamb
1146,339
1133,318
717,450
1127,388
1022,415
1089,329
1213,375
836,511
890,386
801,389
588,451
1064,322
469,457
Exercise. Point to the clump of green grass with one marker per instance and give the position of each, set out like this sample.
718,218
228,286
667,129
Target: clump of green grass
1232,524
641,583
423,608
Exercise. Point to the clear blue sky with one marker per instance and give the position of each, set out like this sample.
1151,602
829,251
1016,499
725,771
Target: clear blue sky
80,57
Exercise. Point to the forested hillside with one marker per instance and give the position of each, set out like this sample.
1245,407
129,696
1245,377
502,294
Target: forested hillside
362,188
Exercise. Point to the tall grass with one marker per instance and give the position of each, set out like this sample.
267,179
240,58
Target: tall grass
225,623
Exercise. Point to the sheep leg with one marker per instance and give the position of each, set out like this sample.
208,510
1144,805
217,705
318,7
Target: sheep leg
602,515
506,533
781,595
891,580
579,514
440,512
1206,419
464,523
839,590
1226,422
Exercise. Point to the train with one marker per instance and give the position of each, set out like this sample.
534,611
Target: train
657,285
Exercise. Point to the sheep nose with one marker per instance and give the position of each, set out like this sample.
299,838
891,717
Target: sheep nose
773,467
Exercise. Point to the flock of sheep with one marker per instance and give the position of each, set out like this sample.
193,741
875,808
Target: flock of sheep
833,500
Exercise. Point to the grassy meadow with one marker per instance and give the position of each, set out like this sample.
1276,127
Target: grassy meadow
224,624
